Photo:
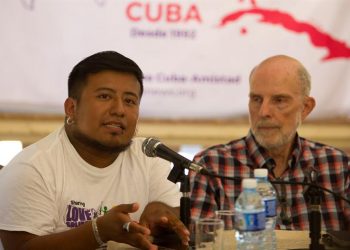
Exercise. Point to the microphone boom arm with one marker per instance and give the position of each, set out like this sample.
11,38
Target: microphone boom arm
239,179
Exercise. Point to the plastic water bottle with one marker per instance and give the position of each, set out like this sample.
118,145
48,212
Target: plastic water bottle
268,194
249,217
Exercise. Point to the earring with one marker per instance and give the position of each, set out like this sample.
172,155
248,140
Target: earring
69,120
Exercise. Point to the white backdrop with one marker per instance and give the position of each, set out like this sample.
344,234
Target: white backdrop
196,55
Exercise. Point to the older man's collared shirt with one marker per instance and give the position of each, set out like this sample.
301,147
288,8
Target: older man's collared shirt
239,158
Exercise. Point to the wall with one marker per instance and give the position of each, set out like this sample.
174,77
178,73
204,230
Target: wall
29,129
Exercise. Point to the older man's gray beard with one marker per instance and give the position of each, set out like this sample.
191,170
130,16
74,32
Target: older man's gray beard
97,145
281,141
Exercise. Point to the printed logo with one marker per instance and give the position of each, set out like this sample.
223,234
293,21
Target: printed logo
180,13
77,214
162,12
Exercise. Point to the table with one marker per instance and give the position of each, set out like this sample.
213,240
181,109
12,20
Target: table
286,240
292,239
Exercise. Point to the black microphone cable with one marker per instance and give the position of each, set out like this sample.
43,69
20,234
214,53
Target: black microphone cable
239,179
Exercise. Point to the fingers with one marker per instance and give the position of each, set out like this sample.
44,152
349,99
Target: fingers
138,235
174,224
141,241
131,226
112,226
118,226
127,208
134,227
158,216
178,227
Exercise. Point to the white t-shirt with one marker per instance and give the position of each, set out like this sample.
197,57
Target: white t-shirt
49,188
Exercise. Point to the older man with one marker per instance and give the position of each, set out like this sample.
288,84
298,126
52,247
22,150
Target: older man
279,100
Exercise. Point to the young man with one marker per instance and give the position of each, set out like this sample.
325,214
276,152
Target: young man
279,100
89,182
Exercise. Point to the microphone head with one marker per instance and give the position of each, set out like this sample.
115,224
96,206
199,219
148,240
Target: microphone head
149,145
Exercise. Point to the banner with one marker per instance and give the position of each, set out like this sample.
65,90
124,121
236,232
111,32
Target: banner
196,55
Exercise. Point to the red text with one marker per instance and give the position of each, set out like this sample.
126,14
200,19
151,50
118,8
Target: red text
169,12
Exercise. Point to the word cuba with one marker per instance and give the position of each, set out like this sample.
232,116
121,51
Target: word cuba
162,12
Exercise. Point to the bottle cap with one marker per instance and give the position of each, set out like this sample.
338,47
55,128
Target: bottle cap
249,183
260,172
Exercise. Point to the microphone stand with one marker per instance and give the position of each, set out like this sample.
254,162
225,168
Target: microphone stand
313,197
177,174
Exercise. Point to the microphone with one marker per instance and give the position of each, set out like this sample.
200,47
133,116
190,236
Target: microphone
154,148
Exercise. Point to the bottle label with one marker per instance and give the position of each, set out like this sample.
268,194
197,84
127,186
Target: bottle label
270,207
250,221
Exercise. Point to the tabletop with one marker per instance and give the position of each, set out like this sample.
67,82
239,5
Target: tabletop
286,240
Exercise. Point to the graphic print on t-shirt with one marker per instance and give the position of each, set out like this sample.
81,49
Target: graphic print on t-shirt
77,214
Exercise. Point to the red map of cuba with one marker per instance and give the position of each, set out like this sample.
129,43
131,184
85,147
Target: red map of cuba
335,48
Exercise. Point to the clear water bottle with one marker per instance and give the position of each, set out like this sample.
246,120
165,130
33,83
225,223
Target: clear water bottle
249,217
268,194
